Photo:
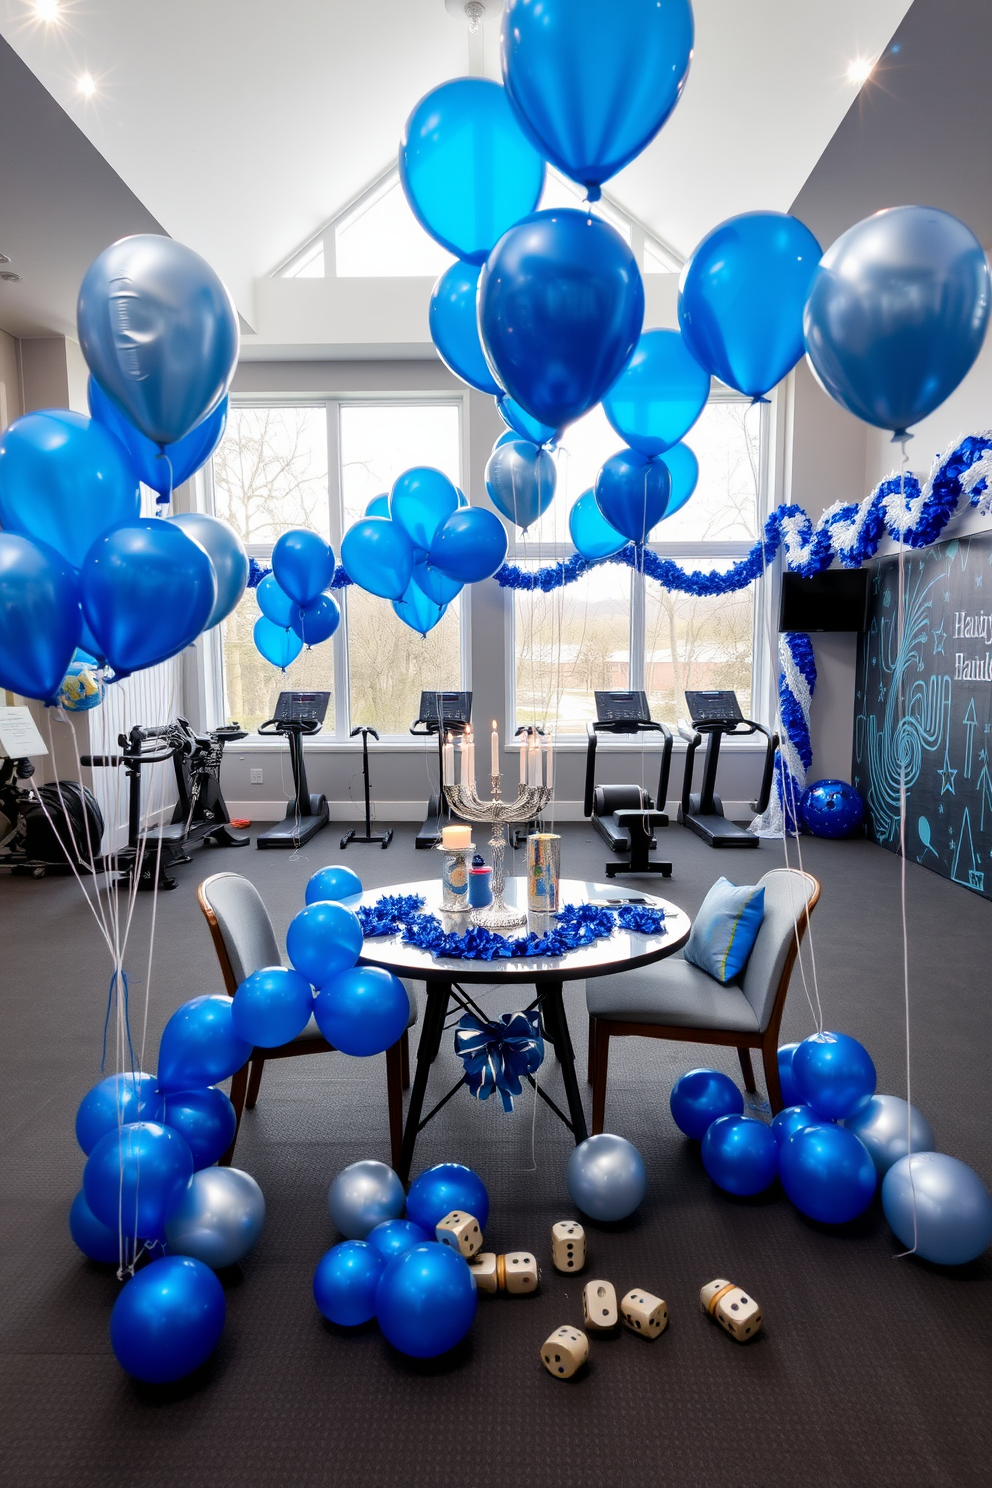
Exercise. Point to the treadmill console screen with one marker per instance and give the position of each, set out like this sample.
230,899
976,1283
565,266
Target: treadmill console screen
622,707
713,707
302,705
455,707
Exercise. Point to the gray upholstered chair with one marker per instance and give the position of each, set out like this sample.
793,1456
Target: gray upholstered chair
245,942
675,1000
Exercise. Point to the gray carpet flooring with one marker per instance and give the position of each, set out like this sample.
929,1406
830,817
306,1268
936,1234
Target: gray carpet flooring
870,1370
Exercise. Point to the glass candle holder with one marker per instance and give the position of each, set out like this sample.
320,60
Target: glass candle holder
455,865
543,872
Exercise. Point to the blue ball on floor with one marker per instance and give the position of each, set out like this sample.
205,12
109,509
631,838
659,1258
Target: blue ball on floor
834,1074
740,1154
95,1239
786,1053
953,1207
116,1101
699,1097
440,1189
168,1320
395,1236
606,1178
334,882
827,1173
426,1300
346,1280
831,808
792,1119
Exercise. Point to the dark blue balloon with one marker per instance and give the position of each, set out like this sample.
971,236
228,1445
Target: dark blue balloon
438,1190
521,480
439,589
333,882
362,1010
699,1097
148,591
632,493
161,468
426,1301
659,395
226,552
395,1236
470,546
591,532
378,556
792,1119
160,333
455,327
200,1046
378,506
897,313
316,622
272,1006
322,940
828,1173
683,467
116,1101
592,84
205,1119
346,1281
561,305
741,298
834,1074
831,808
421,499
416,609
303,564
63,480
135,1176
278,646
740,1154
95,1239
274,603
790,1095
522,425
40,618
467,170
168,1320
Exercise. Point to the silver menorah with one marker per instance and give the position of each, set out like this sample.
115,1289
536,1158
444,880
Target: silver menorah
531,801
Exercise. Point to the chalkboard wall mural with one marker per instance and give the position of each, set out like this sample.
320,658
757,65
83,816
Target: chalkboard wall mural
945,738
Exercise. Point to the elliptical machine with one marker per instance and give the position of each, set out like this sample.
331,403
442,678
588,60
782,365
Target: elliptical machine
298,715
718,715
32,846
625,816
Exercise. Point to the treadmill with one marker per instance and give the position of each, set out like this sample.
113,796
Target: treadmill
298,715
441,713
717,715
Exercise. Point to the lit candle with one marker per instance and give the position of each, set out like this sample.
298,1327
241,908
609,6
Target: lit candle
449,762
524,746
495,769
457,838
534,754
549,755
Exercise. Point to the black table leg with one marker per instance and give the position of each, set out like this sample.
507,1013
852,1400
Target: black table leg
438,994
553,1016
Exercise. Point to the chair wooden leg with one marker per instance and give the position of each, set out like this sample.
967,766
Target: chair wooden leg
257,1066
405,1057
769,1059
592,1049
239,1085
394,1098
599,1077
744,1055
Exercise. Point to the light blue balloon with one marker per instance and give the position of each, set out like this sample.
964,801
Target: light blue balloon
741,298
322,940
592,84
659,395
378,556
333,882
590,531
421,499
683,467
40,618
135,1176
274,603
303,564
897,313
64,479
226,552
160,333
462,498
417,610
378,506
162,469
279,647
521,480
467,170
508,437
362,1011
363,1195
885,1125
632,493
953,1208
439,589
522,425
316,622
470,546
346,1281
200,1046
455,328
218,1219
606,1178
168,1320
271,1007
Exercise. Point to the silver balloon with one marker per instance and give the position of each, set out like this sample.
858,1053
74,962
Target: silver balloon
364,1195
939,1207
606,1177
881,1125
226,552
520,480
219,1217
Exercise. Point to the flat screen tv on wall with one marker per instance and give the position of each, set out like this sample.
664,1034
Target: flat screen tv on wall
834,600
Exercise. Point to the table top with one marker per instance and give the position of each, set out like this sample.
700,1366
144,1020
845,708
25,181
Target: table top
623,950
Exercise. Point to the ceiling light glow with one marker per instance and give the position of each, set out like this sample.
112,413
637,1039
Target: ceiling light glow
48,10
86,85
860,70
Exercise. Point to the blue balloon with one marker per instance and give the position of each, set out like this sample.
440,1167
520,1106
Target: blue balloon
63,480
834,1074
700,1097
939,1205
271,1007
683,467
659,395
95,1239
741,298
396,1236
274,603
592,84
168,1320
827,1173
160,333
135,1176
605,1177
226,552
378,556
346,1281
333,882
322,940
521,480
148,591
633,492
507,437
116,1101
303,564
470,546
417,610
420,501
439,589
161,468
522,425
206,1121
278,646
831,808
316,622
426,1300
378,506
897,313
362,1010
455,327
740,1154
591,532
467,170
786,1054
438,1190
40,618
792,1119
561,305
200,1046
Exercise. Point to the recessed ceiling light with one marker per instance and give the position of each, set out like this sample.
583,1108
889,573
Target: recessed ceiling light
48,10
86,85
860,70
9,276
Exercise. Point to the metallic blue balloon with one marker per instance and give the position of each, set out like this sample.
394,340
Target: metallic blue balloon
161,468
521,480
205,1119
831,808
200,1046
827,1173
346,1281
271,1007
521,425
303,564
786,1054
834,1074
63,480
278,646
218,1219
362,1011
561,306
426,1300
333,882
897,313
168,1320
592,84
95,1239
699,1097
792,1119
226,552
274,603
467,170
135,1176
683,467
378,506
416,609
148,591
421,499
741,298
439,589
396,1236
740,1154
590,531
322,940
363,1195
885,1124
470,546
116,1101
40,618
438,1190
605,1177
633,492
378,556
160,333
316,622
659,395
455,327
953,1208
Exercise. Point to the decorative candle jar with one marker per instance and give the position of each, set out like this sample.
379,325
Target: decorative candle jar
455,865
543,870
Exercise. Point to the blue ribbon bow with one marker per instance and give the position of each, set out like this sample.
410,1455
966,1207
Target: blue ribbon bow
496,1055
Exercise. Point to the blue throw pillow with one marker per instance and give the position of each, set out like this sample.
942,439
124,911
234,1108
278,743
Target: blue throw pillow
725,929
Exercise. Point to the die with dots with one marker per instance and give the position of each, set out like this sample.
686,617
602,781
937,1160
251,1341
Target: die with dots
644,1313
461,1232
568,1246
565,1351
736,1311
599,1306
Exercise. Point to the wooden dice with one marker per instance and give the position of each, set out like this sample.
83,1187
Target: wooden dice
460,1231
599,1306
483,1268
644,1314
568,1246
737,1312
516,1272
565,1351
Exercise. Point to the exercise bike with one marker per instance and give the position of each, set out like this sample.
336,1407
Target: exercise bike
33,845
298,715
717,715
441,713
625,816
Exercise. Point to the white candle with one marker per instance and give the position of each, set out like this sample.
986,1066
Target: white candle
535,761
495,769
524,747
456,837
549,755
470,761
449,762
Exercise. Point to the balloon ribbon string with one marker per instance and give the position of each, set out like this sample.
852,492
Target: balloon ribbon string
121,974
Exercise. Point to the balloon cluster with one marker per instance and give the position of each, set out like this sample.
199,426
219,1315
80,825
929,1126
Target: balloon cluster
296,609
